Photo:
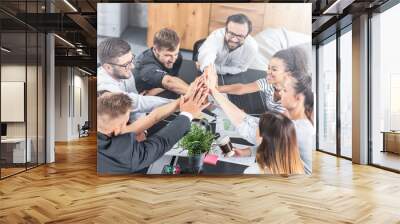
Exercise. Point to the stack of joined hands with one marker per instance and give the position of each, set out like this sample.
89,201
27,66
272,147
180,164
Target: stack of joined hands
207,82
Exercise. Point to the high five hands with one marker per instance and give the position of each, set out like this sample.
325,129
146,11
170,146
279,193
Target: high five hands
207,81
195,99
211,77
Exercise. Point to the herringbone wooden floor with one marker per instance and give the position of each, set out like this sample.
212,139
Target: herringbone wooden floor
70,191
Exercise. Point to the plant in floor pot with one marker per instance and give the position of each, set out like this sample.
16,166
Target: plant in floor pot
197,142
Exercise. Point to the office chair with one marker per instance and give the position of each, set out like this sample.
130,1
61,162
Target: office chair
196,47
84,130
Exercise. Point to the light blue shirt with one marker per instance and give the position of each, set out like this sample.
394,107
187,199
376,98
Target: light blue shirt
141,104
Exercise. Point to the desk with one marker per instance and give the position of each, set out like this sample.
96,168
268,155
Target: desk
13,150
225,165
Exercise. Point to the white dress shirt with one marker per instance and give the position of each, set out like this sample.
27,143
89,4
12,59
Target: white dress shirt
187,114
215,51
141,104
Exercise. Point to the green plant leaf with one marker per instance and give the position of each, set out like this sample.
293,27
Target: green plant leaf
197,141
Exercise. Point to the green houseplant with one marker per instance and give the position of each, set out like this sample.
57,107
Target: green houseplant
197,142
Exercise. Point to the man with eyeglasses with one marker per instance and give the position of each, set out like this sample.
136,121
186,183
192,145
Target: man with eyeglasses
231,48
156,69
115,74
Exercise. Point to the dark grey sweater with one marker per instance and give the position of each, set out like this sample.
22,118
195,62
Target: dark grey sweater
149,72
123,154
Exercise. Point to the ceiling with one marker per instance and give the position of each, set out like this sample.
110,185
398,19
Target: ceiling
332,15
75,22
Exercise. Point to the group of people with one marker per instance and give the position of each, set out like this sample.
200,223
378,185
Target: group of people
129,101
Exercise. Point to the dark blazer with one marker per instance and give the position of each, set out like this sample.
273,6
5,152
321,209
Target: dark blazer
123,154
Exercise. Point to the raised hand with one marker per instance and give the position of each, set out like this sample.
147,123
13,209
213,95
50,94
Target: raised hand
211,76
196,102
196,84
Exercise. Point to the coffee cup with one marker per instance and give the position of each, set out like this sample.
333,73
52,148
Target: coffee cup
226,146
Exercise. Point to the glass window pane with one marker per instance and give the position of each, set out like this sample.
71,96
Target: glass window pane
385,89
13,85
23,87
346,94
327,97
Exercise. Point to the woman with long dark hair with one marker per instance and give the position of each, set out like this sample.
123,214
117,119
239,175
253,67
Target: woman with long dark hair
278,152
296,97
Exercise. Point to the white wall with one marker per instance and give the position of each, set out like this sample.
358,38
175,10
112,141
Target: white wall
12,73
124,16
80,94
112,19
138,15
12,101
70,83
61,103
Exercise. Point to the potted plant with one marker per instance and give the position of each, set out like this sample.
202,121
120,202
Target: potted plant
197,142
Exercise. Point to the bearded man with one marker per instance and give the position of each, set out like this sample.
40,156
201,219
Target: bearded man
231,48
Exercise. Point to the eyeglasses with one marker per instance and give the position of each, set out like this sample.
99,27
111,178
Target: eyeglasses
125,66
232,34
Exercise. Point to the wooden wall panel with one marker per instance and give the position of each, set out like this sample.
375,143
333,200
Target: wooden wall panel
292,16
190,21
195,21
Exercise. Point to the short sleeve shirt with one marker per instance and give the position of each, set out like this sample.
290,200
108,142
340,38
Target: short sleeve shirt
268,90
